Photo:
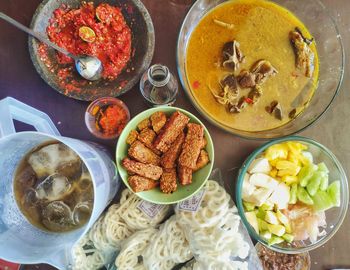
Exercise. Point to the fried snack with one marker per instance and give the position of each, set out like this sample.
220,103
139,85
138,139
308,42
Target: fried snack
146,123
168,159
192,146
174,126
132,137
168,181
202,160
141,153
139,183
147,137
158,120
204,143
146,170
185,175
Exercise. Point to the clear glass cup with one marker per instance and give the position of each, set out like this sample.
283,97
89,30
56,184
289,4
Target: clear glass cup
334,216
91,111
158,86
331,57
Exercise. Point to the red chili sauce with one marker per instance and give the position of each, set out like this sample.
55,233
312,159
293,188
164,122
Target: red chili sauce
100,32
110,119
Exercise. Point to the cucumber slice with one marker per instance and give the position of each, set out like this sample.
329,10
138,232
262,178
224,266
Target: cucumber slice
304,197
275,240
314,182
322,201
322,167
306,173
324,181
293,194
334,193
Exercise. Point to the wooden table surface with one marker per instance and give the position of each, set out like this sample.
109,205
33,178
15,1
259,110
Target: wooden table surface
19,79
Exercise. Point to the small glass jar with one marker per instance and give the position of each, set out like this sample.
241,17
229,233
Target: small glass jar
118,117
301,261
158,86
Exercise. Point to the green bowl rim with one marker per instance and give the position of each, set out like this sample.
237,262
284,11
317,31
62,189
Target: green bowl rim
344,201
210,144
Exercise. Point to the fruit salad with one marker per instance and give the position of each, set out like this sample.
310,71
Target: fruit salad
285,194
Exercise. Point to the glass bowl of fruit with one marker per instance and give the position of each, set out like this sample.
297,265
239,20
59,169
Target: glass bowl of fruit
292,194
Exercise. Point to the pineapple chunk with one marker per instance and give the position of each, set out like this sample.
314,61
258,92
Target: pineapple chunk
290,171
294,158
273,173
290,179
276,151
296,147
287,168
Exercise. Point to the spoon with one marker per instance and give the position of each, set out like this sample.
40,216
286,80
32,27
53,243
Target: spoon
89,67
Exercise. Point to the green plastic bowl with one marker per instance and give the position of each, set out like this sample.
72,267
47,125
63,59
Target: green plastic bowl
334,216
155,195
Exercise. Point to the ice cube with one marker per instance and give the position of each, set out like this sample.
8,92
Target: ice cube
82,212
53,188
53,158
30,198
44,160
57,216
26,177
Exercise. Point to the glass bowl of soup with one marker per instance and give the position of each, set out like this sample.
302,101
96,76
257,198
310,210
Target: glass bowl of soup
260,69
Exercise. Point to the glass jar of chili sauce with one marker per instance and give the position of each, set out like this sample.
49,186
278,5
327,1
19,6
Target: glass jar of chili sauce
106,117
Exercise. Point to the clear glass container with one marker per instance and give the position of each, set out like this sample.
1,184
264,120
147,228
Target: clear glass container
334,216
158,86
303,260
331,59
92,110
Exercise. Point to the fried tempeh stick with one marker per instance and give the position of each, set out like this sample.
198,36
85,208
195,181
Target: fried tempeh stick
168,181
168,159
139,183
158,120
145,123
192,146
146,170
147,137
174,126
185,175
132,137
141,153
202,160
